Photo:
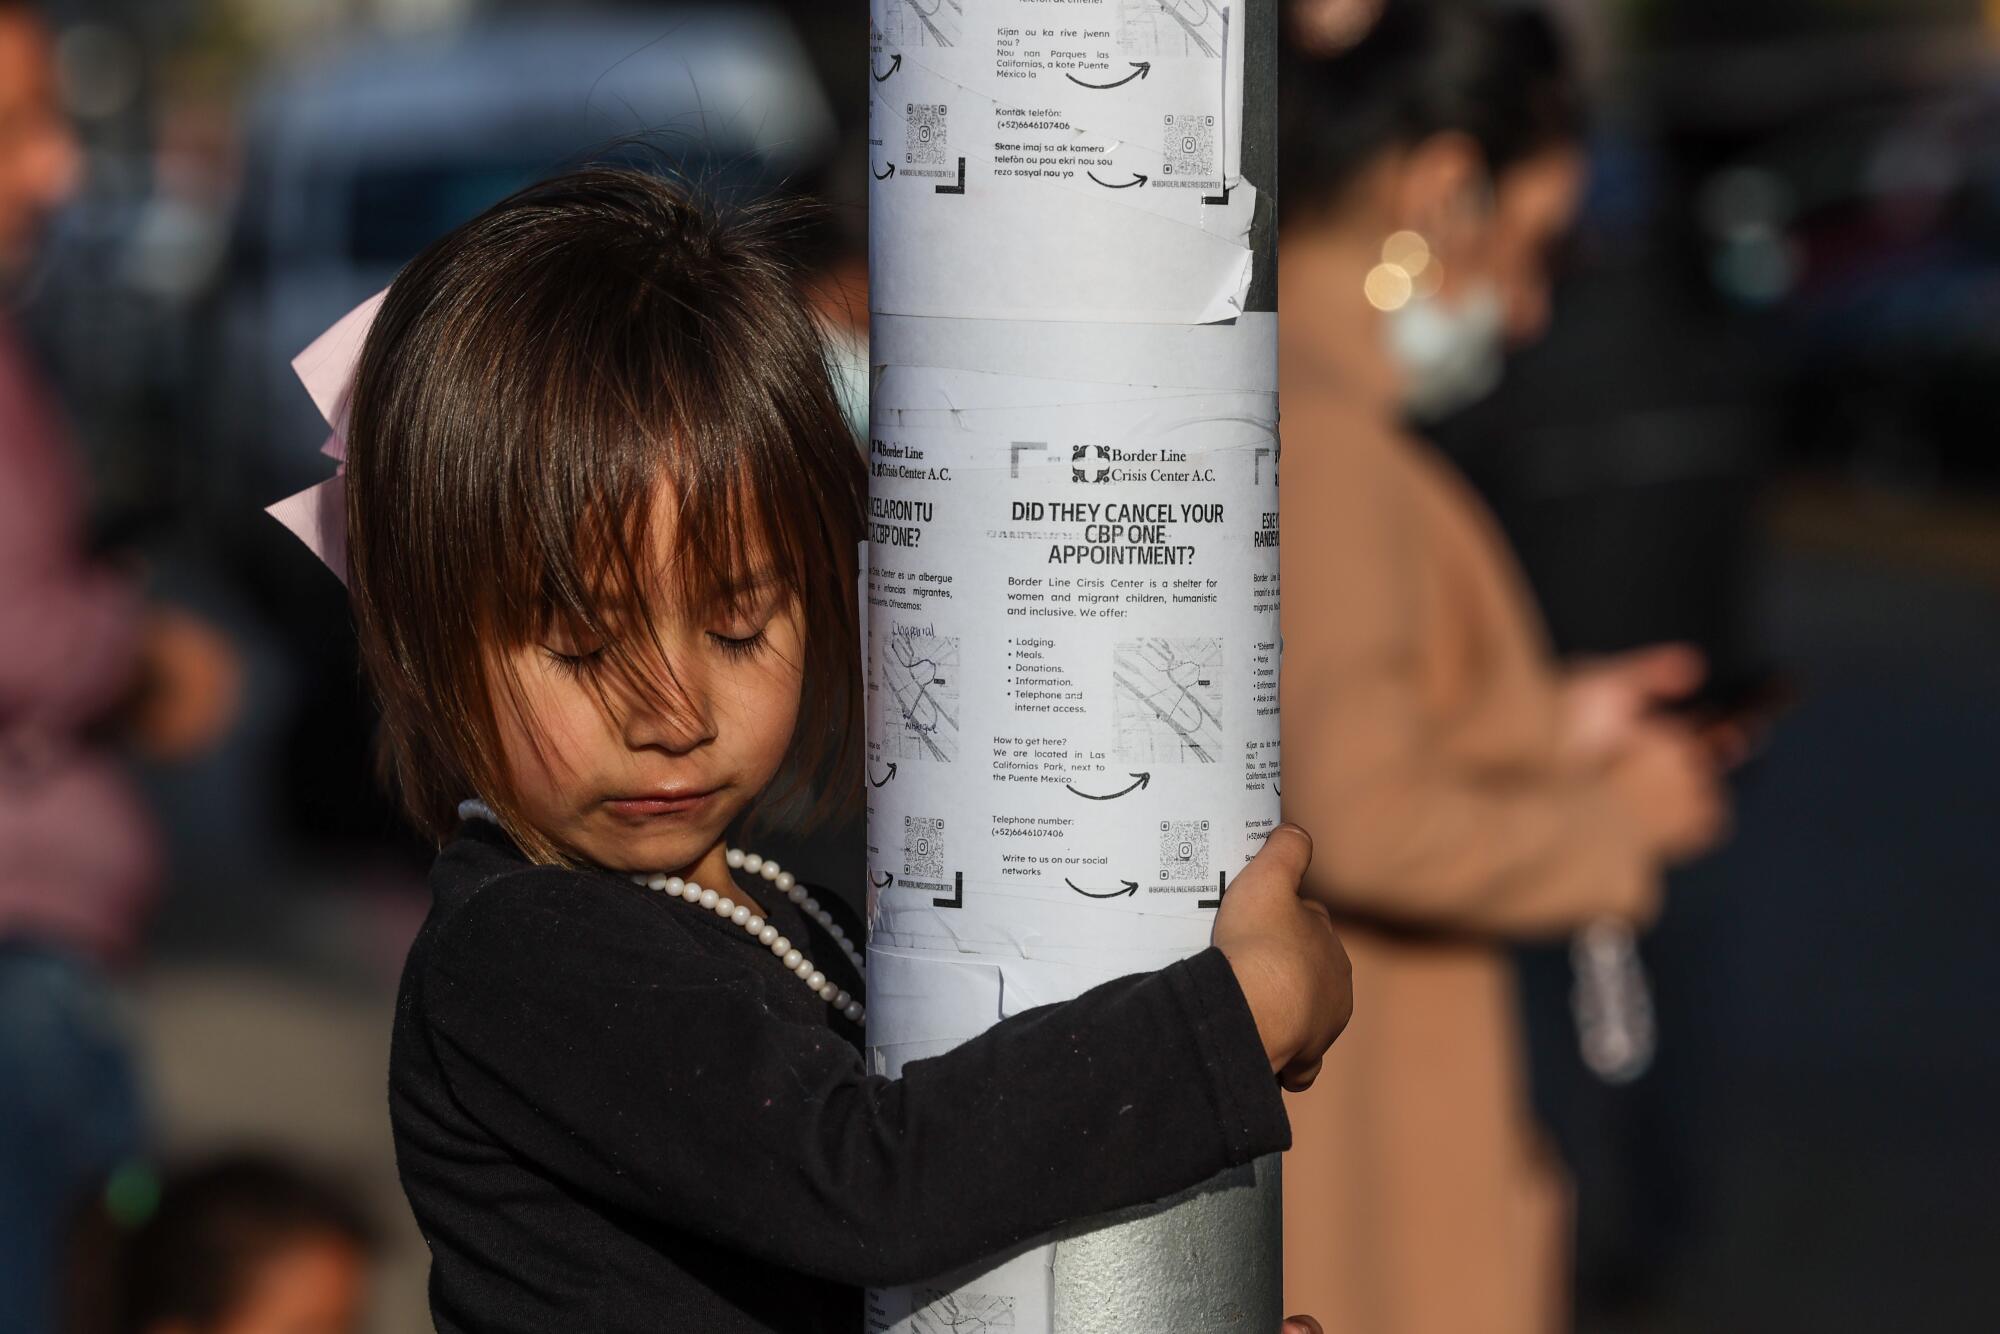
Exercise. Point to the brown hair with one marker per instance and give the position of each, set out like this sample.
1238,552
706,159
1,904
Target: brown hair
531,380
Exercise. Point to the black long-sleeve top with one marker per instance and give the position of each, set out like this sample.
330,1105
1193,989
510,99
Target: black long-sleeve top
614,1111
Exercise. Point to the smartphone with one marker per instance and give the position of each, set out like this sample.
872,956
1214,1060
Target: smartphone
1736,712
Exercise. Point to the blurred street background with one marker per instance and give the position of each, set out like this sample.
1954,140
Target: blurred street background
1765,423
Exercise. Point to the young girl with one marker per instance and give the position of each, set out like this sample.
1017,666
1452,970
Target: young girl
602,516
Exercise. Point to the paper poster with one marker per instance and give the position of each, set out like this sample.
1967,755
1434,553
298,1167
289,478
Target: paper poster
1073,628
989,119
1071,587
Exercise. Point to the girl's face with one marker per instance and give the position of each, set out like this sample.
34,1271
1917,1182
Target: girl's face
633,783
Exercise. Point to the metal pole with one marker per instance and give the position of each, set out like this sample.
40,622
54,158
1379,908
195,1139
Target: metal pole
1072,578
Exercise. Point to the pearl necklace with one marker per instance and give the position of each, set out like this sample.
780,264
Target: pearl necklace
725,907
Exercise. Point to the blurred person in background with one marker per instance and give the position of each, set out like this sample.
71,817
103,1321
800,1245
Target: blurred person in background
244,1243
82,663
1467,789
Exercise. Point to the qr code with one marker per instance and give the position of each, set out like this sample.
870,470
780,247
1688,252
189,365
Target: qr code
1184,851
923,846
925,133
1188,146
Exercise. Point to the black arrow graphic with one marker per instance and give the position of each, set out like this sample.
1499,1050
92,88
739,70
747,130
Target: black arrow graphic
894,65
1221,888
1143,780
886,174
957,899
1141,69
1138,178
885,777
887,880
1128,887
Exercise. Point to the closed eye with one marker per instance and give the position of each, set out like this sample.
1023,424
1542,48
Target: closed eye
574,664
739,645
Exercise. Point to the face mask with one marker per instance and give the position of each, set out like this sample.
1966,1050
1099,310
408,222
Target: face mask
1450,356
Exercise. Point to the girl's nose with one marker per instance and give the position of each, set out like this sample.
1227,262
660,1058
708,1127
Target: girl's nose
675,717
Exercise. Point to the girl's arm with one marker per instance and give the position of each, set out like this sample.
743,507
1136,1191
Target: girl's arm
647,1072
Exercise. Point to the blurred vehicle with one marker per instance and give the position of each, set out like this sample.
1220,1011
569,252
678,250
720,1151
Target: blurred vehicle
1872,240
358,159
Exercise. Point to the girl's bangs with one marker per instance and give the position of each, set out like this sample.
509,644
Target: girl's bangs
697,538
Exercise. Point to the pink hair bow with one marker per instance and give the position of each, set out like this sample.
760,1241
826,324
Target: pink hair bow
317,515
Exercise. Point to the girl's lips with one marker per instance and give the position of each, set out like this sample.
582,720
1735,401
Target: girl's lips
645,805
